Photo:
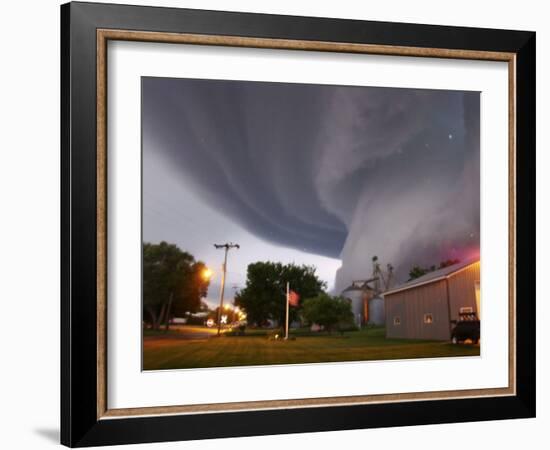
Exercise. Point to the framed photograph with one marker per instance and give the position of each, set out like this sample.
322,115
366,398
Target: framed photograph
276,224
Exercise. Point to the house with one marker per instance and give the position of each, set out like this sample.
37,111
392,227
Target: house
428,306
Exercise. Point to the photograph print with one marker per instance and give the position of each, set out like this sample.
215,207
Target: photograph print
289,223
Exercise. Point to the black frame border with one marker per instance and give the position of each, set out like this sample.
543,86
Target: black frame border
79,423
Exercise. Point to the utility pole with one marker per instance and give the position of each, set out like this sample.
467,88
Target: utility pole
227,246
287,309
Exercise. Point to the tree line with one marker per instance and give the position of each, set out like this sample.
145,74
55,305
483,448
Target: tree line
264,296
174,285
418,271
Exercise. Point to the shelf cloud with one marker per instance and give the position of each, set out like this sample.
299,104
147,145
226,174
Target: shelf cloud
343,172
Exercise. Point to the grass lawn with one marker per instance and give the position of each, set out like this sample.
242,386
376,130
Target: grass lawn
255,348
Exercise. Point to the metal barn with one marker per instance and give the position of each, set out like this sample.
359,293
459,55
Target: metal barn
427,307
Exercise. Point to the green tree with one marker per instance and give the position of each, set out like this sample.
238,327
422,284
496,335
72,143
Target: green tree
417,271
330,312
172,283
263,296
192,287
448,262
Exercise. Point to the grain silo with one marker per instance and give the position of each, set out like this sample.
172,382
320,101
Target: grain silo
367,303
376,312
359,293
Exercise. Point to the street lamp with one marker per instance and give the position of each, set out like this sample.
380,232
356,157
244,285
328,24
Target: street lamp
207,273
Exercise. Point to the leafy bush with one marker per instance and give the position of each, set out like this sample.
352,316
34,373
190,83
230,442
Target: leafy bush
330,312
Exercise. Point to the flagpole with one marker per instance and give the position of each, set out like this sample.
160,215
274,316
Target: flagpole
287,303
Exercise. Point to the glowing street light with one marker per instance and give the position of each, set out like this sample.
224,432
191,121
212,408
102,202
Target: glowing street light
207,273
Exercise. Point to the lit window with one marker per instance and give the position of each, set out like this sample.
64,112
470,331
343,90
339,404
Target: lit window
428,318
397,320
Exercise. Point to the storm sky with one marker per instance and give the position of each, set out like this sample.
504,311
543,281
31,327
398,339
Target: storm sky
316,174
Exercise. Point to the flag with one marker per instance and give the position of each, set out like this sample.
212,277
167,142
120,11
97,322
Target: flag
293,298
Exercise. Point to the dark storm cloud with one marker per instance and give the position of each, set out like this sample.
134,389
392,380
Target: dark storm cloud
250,150
337,171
